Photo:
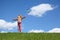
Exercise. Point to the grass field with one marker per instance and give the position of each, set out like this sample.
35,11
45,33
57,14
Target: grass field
29,36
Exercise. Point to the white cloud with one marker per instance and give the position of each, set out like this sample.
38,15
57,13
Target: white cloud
36,31
3,32
40,9
7,25
55,30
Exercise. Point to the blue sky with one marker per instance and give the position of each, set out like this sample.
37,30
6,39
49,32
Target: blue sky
10,9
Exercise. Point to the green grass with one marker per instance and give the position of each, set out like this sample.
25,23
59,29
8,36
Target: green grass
29,36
